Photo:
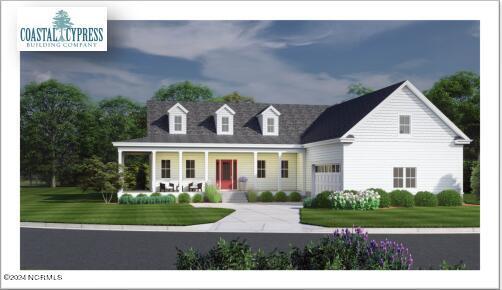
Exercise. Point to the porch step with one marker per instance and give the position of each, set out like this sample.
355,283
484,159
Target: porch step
234,197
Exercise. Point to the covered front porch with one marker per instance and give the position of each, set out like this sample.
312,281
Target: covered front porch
190,170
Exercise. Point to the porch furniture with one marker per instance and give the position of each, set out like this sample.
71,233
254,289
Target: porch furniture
190,187
199,186
162,187
171,186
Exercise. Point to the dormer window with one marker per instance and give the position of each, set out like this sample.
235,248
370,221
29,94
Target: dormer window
270,125
224,118
269,121
177,119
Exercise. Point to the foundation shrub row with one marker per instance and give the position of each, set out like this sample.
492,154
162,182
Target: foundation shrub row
267,196
211,194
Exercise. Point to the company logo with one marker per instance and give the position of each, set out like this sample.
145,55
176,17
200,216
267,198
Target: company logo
67,29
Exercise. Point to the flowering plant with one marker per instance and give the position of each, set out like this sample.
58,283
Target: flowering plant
352,199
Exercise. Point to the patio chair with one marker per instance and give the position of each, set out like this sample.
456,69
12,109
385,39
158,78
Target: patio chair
199,186
162,187
171,186
190,187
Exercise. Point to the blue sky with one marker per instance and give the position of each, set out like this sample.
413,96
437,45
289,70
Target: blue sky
274,61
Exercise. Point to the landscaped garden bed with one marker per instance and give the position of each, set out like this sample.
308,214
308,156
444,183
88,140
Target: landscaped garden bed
268,196
72,205
399,208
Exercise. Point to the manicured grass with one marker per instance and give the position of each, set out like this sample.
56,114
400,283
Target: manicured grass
416,217
71,205
471,199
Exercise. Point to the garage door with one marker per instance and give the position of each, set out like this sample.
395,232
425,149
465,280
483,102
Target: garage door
326,177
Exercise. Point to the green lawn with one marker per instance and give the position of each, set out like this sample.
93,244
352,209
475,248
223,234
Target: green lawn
71,205
471,199
416,217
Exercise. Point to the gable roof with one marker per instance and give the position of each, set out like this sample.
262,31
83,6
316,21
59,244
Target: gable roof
225,107
338,119
299,124
294,120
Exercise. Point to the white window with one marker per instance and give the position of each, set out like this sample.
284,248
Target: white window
404,124
261,169
225,124
405,177
166,168
284,169
178,123
270,125
190,169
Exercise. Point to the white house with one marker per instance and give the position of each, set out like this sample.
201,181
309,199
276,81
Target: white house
393,138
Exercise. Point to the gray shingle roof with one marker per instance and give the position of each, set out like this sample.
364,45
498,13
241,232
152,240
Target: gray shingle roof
298,124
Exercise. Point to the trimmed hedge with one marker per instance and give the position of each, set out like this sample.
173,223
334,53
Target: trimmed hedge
295,196
266,196
280,196
307,202
426,198
449,197
252,196
402,198
144,199
156,194
197,198
184,198
384,197
323,200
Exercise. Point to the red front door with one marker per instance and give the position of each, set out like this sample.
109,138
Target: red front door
226,174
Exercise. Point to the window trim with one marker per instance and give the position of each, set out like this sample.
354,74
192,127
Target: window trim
180,123
259,169
409,125
227,118
165,169
270,126
284,169
190,168
404,177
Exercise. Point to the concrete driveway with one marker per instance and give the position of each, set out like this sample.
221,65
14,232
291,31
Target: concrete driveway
259,217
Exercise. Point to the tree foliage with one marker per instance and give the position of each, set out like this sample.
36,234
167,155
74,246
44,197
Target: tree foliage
183,91
358,89
103,178
475,185
233,97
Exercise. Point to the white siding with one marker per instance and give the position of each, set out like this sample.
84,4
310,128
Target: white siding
218,116
290,183
378,147
176,111
322,154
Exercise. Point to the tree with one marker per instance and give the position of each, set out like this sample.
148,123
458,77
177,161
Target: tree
457,96
475,185
103,178
183,91
119,119
51,122
61,21
358,89
233,97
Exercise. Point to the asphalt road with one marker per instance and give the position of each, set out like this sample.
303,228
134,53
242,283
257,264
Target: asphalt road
51,249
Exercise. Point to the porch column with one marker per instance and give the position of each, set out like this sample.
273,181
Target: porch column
180,171
255,168
120,161
279,157
153,169
206,171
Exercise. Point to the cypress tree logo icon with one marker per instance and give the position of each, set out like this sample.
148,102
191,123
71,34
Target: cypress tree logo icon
62,22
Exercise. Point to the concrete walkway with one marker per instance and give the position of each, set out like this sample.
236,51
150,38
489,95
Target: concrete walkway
251,218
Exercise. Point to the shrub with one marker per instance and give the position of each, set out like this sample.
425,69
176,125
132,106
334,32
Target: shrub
141,199
475,178
323,200
352,199
212,194
401,198
266,196
168,199
197,198
156,194
449,197
251,196
184,198
295,196
471,198
307,202
342,250
384,197
125,199
280,196
425,198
